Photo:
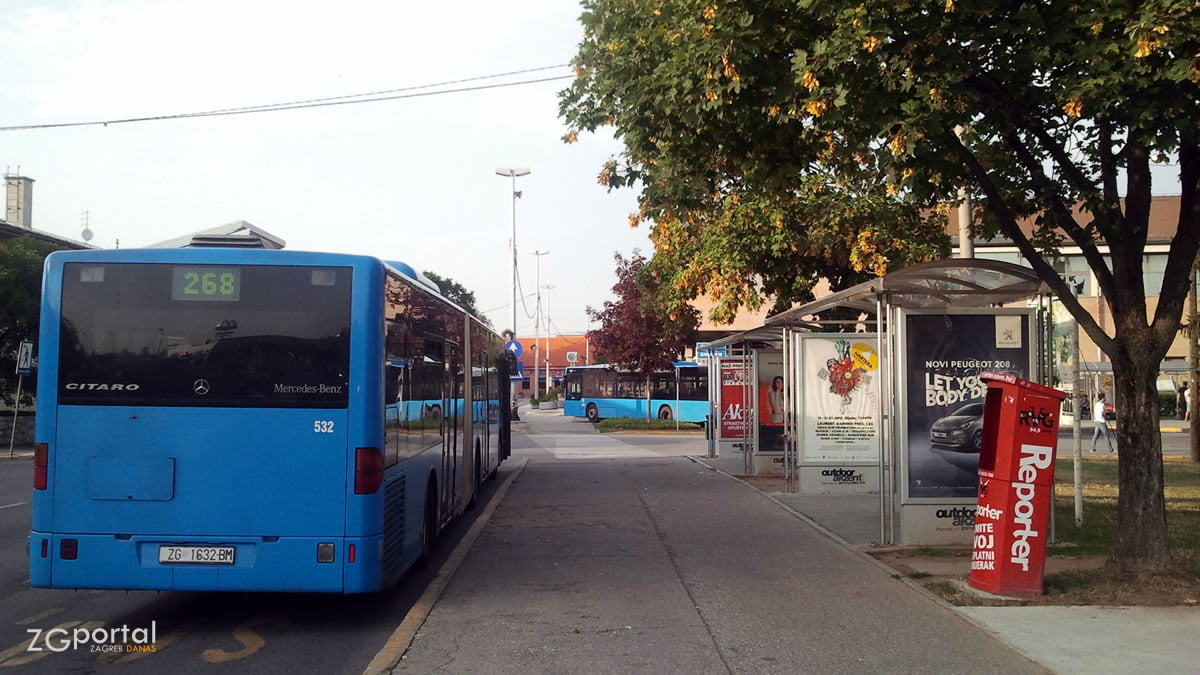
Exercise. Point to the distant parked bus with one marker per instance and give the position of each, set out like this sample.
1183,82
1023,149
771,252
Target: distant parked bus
253,420
597,392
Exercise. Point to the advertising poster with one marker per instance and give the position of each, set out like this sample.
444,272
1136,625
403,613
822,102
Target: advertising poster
841,399
734,416
769,385
944,355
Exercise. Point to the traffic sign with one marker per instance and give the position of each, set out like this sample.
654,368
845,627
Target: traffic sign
514,348
25,358
572,357
520,376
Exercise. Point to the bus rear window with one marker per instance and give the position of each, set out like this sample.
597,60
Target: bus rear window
205,335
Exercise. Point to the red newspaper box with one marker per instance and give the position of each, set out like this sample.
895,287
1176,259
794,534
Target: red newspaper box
1016,485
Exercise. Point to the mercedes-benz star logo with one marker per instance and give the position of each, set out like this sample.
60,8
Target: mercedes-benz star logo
200,387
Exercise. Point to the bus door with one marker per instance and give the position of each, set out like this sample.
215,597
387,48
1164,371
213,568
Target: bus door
451,423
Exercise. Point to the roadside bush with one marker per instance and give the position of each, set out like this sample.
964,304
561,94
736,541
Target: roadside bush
639,424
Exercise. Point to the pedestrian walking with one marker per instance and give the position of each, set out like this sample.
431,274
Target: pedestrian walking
1100,420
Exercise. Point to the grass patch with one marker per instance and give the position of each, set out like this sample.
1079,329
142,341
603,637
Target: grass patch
1098,533
1080,577
931,552
949,592
639,424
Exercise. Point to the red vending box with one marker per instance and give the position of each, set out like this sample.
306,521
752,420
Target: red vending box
1016,485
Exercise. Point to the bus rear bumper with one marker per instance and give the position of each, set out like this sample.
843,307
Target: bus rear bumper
275,564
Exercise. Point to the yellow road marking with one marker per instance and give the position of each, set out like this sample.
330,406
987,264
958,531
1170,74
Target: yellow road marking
251,641
30,657
39,616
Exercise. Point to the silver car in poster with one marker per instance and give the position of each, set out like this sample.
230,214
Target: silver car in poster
961,431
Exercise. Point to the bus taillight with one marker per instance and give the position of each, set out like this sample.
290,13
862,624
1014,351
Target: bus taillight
41,460
368,470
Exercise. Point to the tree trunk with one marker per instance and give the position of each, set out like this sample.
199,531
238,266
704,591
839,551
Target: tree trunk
1141,508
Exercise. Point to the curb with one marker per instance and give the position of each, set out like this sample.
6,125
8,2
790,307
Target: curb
402,638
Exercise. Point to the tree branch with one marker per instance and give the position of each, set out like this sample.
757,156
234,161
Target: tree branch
1005,215
1063,215
1186,242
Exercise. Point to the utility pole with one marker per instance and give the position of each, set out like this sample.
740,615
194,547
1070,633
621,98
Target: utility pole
1077,434
537,321
549,380
513,174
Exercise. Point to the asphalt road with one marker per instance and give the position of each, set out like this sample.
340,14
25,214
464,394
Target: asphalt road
198,632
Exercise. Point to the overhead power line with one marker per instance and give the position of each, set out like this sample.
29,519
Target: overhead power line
367,97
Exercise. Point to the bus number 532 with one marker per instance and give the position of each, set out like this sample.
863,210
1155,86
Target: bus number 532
323,427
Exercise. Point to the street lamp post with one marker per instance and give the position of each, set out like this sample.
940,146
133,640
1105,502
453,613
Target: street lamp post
537,321
513,174
549,379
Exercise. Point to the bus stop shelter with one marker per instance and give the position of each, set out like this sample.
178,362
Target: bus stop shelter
920,337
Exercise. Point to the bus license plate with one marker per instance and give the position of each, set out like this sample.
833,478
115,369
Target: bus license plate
196,555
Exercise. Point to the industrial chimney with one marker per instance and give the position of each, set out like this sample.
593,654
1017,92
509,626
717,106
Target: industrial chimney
18,203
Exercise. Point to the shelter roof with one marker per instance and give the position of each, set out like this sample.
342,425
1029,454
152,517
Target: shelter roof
760,334
941,284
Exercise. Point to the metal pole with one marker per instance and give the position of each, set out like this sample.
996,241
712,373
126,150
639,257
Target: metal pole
1192,334
549,379
748,410
537,321
515,389
714,405
512,174
16,408
1077,426
676,415
885,362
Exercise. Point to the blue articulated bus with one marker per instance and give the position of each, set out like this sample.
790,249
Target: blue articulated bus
241,420
597,392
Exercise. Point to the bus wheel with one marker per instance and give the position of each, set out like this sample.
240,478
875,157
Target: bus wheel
435,411
664,413
593,413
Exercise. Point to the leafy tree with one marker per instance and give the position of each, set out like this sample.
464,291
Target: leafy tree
750,244
635,333
1035,107
20,305
458,294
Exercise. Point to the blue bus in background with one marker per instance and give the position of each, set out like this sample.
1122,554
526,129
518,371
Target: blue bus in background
226,419
597,392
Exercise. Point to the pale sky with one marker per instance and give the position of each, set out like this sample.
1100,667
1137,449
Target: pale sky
411,179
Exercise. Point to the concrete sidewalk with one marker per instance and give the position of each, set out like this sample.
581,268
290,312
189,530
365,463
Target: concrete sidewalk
618,555
1064,639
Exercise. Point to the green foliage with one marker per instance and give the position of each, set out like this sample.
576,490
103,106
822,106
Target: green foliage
20,306
740,116
635,332
458,294
637,424
550,394
1167,404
